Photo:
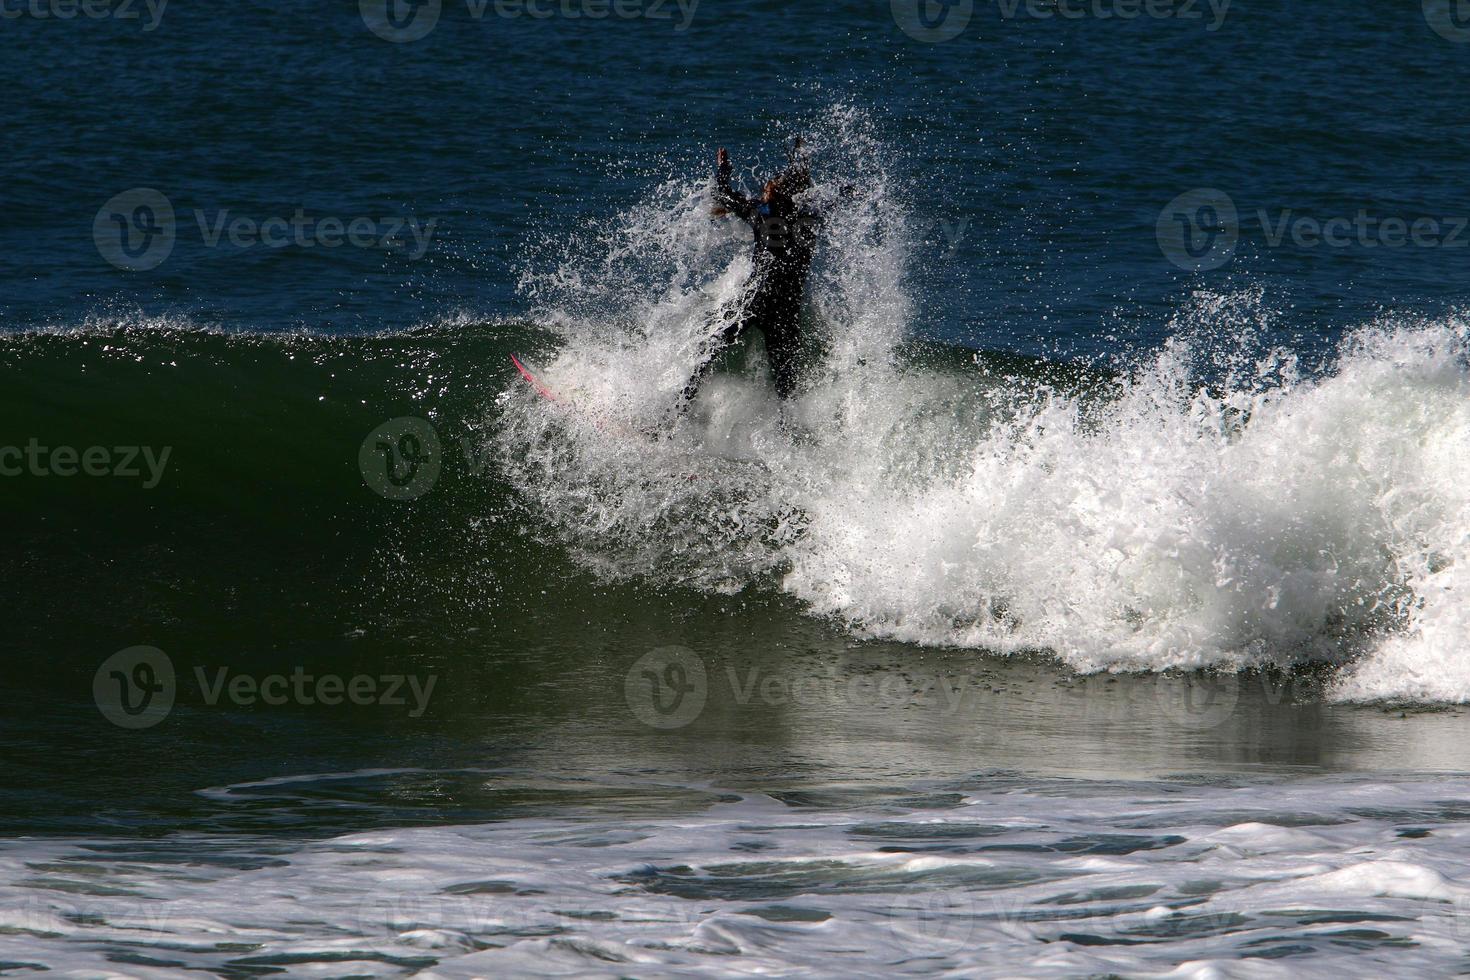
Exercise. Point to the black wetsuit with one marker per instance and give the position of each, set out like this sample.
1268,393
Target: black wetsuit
785,237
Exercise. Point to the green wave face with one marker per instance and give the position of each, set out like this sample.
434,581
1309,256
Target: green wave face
271,491
165,475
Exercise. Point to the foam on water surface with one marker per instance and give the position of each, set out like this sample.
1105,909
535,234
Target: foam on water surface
1042,877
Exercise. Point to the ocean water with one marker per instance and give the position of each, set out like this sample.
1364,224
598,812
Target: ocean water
1097,607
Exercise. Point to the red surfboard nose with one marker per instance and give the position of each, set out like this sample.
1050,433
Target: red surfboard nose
541,389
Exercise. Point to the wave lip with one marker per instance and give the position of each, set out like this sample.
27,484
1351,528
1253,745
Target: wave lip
1217,505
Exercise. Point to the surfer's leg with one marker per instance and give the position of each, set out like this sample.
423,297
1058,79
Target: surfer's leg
783,367
783,350
735,323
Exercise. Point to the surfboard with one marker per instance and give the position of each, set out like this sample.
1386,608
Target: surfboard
563,402
532,380
606,425
610,426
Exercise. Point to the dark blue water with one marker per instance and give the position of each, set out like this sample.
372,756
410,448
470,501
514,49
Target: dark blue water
1037,152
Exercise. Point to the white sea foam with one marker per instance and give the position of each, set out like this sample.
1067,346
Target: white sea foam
1216,506
1042,878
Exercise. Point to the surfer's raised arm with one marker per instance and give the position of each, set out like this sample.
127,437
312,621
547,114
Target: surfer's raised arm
727,199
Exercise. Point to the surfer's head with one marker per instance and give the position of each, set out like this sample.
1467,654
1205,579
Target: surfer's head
787,184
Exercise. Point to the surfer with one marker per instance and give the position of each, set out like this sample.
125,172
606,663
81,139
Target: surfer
785,237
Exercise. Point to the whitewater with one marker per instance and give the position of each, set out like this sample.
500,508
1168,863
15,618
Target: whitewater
1212,503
